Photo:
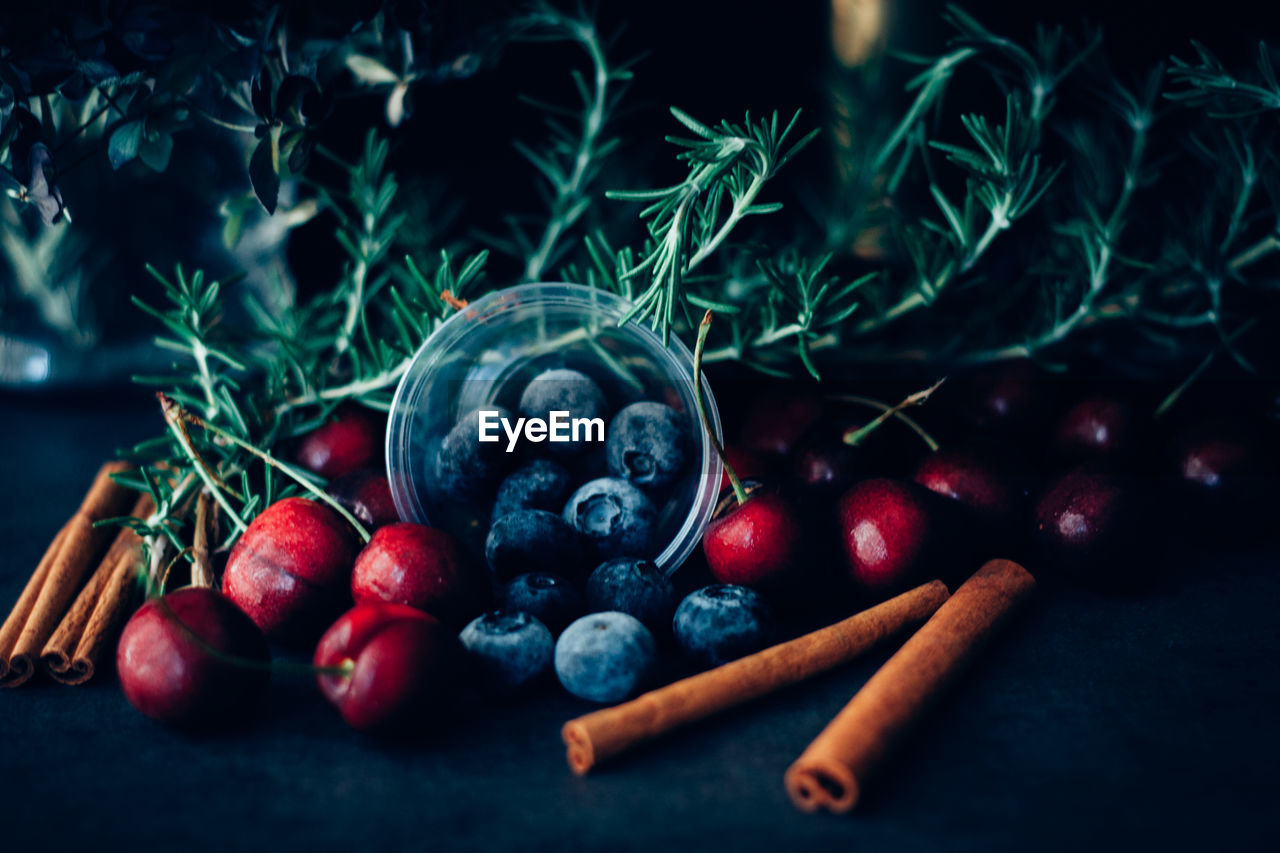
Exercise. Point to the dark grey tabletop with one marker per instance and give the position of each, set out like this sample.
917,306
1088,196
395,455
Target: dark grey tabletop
1140,723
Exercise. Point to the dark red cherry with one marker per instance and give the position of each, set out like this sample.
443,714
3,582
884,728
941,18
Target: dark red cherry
366,494
1090,527
890,532
777,418
397,666
352,440
756,543
290,570
182,659
971,479
1007,397
1097,429
417,565
1222,476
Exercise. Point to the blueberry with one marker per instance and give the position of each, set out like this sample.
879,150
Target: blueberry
507,650
532,540
646,445
550,598
563,390
614,516
540,484
721,622
467,468
605,657
633,586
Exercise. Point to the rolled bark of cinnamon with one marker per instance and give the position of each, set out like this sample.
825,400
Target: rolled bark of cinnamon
602,734
831,772
72,653
59,576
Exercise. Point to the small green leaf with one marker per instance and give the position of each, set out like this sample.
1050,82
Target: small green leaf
370,71
124,143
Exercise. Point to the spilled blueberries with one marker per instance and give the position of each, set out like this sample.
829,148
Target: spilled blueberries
569,533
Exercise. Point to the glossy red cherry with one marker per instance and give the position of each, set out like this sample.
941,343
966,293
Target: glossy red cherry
168,659
397,665
1088,526
776,419
1222,477
366,494
1097,428
290,570
964,476
1005,397
756,543
351,440
413,564
890,531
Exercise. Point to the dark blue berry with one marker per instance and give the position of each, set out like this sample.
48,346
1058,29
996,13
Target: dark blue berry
635,586
563,390
721,622
605,657
467,468
540,484
646,445
507,650
613,515
550,598
533,540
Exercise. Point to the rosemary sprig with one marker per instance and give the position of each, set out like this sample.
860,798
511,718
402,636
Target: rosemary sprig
728,165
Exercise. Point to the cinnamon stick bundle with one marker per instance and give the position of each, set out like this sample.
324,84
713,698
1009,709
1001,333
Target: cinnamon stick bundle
830,773
602,734
72,653
73,552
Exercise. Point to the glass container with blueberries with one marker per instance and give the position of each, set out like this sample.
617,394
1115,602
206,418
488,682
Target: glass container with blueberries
547,436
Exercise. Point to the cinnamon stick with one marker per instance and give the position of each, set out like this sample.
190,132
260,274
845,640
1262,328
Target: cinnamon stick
79,544
831,772
72,652
17,619
602,734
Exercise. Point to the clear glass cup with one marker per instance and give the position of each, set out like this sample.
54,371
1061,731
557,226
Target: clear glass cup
485,354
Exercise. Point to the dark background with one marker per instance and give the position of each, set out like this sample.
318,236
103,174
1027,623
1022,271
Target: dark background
1105,723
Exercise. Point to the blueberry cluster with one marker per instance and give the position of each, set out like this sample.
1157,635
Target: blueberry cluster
569,543
574,503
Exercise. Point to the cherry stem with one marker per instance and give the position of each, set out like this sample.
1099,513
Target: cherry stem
856,436
176,411
249,663
739,492
908,421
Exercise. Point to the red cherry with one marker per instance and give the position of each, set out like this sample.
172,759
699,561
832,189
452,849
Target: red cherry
1005,396
756,543
1095,429
397,658
777,418
889,530
965,477
1222,475
171,676
351,440
289,571
413,564
366,494
748,464
1087,525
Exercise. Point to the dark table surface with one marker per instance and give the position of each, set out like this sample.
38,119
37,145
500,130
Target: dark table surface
1092,723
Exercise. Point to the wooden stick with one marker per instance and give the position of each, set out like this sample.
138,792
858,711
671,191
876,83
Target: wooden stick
830,773
81,545
602,734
